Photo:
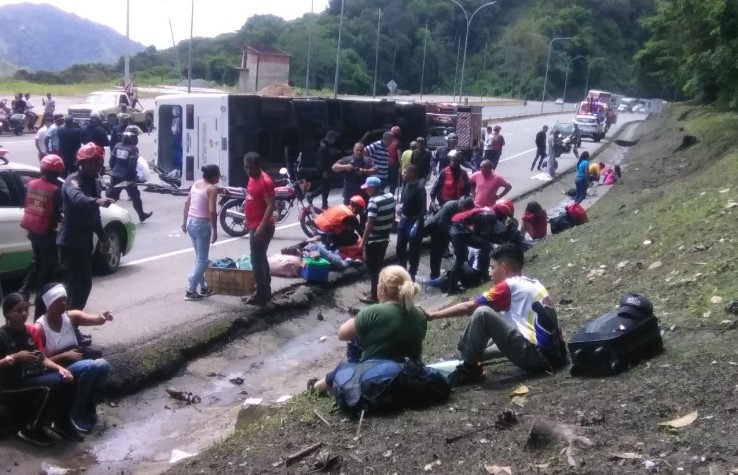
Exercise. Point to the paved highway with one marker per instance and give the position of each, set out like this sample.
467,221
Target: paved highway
146,294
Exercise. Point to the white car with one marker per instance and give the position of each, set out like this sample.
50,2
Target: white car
15,248
559,102
590,127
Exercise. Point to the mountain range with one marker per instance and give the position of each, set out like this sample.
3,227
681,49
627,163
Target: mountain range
43,37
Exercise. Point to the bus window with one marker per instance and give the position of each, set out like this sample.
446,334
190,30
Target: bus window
190,119
169,134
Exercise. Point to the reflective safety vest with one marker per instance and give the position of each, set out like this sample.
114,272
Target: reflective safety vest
330,221
449,189
39,214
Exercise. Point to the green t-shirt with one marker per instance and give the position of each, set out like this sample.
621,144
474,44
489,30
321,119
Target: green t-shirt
389,331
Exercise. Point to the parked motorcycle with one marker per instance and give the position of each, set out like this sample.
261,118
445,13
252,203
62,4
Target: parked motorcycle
4,116
290,195
17,123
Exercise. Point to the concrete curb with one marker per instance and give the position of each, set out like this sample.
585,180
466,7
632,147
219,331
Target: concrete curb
161,356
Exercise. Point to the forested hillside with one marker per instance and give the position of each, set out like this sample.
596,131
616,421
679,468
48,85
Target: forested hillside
504,56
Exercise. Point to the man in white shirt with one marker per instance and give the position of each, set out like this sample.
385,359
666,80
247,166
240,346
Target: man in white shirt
49,105
488,143
32,116
41,137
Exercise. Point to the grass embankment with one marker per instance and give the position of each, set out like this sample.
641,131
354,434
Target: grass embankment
9,87
668,229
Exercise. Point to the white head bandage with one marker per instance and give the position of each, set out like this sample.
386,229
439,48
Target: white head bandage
53,294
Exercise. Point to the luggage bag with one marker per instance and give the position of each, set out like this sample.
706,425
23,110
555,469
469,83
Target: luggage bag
614,342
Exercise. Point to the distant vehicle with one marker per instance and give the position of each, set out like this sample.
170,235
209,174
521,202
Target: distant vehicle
110,104
590,127
637,108
559,102
14,244
566,128
464,121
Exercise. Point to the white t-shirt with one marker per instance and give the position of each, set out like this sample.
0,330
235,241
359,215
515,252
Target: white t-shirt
41,137
142,170
488,141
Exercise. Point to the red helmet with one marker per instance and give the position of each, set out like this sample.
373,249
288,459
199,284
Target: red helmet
504,208
395,131
52,163
358,200
90,151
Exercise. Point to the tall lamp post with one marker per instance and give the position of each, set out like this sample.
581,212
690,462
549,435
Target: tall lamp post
338,51
469,19
589,68
550,42
566,77
310,41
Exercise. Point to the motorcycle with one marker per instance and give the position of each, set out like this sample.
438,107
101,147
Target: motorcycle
17,123
4,116
292,194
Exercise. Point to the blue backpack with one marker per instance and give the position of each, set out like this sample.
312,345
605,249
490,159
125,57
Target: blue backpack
386,386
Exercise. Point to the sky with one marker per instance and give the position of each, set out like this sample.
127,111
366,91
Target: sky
149,18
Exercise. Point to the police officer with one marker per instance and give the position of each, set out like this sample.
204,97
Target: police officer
123,160
94,131
42,213
116,136
81,197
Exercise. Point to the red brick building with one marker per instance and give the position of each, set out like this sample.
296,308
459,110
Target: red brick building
262,66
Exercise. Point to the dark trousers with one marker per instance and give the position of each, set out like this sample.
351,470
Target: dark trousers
34,399
44,263
76,271
540,155
495,158
133,193
409,256
374,253
393,177
581,187
463,239
438,245
259,262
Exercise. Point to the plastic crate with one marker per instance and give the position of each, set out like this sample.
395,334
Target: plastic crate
315,270
230,281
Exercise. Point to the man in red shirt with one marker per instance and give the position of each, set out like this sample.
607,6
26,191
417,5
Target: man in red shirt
486,184
259,209
393,159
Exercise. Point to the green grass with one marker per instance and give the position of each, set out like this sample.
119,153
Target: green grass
9,87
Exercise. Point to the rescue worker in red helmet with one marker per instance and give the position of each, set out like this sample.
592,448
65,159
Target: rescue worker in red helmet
42,213
339,225
81,196
504,209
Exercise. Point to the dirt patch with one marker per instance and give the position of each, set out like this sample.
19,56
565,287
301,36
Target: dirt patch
671,208
278,90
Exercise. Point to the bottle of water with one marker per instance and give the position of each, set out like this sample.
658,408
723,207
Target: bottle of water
423,284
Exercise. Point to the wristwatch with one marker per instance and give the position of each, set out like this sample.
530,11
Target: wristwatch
9,360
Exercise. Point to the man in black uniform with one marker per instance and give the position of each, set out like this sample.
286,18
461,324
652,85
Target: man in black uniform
324,162
123,160
410,229
81,195
70,140
95,132
438,227
116,136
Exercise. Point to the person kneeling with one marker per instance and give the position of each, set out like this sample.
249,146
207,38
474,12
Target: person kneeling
516,315
59,343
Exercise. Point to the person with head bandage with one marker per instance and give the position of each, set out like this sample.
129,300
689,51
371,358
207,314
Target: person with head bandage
59,341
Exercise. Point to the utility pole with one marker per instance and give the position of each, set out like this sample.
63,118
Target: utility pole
127,67
338,51
589,68
548,61
425,46
189,59
484,69
466,39
376,53
456,71
310,37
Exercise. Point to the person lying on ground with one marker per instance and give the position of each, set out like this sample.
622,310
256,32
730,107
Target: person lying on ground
393,329
59,342
534,221
516,315
31,384
469,277
438,227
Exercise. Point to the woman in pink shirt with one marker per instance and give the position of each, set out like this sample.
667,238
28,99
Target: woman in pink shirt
486,184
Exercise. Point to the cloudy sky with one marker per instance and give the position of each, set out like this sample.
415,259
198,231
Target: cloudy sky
149,18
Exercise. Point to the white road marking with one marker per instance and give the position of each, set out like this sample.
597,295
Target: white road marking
517,155
9,142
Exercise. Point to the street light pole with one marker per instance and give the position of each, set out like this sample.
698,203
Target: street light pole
338,51
566,77
310,38
189,58
484,70
589,68
466,40
422,74
376,54
548,60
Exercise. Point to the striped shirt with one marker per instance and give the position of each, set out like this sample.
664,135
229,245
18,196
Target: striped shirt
382,209
380,155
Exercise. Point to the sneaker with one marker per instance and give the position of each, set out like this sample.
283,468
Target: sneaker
67,432
466,374
145,216
192,296
206,292
82,426
35,436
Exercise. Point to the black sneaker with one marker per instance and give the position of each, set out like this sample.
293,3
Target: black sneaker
206,292
192,296
466,374
67,432
145,216
35,436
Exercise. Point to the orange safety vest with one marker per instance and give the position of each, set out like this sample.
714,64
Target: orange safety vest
330,221
39,215
449,190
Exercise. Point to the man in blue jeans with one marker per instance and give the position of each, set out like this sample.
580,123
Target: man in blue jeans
259,210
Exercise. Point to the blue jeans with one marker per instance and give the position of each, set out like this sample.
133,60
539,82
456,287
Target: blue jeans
199,231
39,396
581,187
333,257
90,376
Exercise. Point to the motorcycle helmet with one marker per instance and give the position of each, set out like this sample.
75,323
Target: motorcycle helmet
52,163
90,151
358,200
395,131
96,115
504,208
452,137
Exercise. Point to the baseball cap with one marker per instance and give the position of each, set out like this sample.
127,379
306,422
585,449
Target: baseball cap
635,305
372,181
